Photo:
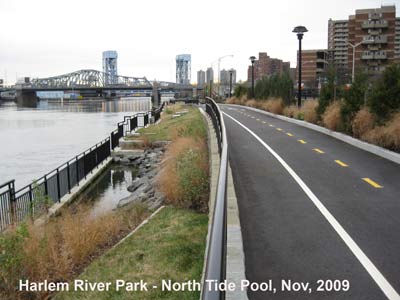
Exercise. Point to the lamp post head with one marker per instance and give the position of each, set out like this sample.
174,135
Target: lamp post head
300,30
252,59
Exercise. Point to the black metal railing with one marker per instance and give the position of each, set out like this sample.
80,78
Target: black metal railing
216,255
33,199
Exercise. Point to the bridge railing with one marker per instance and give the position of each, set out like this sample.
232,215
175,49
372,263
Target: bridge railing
216,256
35,198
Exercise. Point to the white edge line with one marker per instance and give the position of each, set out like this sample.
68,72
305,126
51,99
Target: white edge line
380,280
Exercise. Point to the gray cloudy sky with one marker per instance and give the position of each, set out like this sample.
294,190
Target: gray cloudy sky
40,38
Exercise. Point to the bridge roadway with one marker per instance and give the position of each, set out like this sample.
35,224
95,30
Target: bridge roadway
306,212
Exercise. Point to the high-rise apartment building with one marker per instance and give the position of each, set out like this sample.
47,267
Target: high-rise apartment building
266,66
183,68
209,75
397,40
338,34
376,32
110,67
201,78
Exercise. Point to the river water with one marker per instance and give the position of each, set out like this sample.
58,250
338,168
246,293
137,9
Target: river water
36,141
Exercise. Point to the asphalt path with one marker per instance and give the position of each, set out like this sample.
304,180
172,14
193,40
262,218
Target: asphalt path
313,210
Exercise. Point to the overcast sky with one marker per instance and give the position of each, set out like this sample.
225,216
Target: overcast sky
40,38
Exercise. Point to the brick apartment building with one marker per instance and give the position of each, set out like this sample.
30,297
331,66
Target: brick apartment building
378,32
266,66
314,67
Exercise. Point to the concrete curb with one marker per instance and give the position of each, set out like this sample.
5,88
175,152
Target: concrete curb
382,152
144,222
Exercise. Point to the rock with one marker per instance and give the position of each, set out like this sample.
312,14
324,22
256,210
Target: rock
116,159
124,161
138,182
139,195
152,155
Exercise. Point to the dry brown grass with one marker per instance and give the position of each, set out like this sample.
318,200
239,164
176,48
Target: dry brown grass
60,249
274,106
184,173
240,101
252,103
291,111
387,136
309,110
363,122
331,117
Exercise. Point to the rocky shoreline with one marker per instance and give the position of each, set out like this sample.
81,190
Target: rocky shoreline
143,188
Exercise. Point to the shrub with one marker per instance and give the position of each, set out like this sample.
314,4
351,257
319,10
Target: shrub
240,90
353,100
385,96
332,117
363,122
280,86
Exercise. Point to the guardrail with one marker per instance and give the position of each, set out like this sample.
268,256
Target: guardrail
216,255
33,199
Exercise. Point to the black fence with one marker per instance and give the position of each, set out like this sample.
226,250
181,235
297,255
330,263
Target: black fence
37,197
216,255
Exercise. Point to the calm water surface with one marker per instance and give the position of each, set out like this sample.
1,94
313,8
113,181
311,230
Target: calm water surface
36,141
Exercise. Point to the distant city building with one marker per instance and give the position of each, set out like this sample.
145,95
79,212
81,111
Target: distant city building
1,83
378,32
225,76
110,67
267,66
201,78
209,75
183,68
314,66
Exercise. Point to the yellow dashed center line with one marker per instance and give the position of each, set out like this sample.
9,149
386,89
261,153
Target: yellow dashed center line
258,120
373,183
270,125
340,163
302,141
264,122
318,150
289,134
253,117
279,129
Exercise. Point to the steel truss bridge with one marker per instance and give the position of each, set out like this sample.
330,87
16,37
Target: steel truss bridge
87,79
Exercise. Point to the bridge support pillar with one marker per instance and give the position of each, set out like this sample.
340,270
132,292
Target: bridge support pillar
26,98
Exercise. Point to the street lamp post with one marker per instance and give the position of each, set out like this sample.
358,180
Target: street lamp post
354,46
300,30
230,82
252,59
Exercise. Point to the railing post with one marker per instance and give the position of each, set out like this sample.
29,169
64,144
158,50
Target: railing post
11,188
77,171
31,201
58,186
45,185
69,179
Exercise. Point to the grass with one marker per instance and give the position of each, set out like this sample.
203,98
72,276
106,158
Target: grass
59,249
171,246
189,124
